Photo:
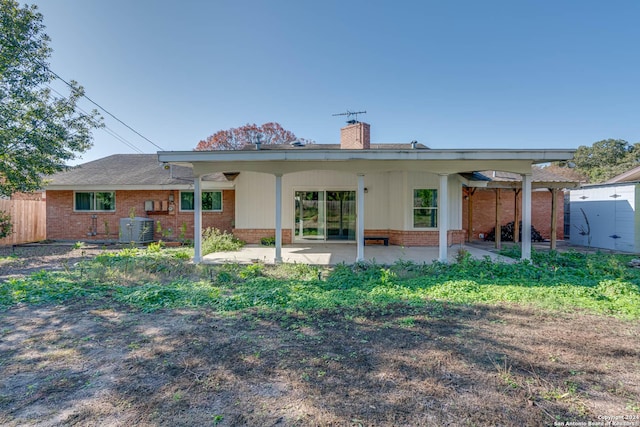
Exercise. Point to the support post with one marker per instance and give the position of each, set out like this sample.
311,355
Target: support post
498,227
197,219
360,219
443,218
278,258
470,193
554,217
516,216
526,216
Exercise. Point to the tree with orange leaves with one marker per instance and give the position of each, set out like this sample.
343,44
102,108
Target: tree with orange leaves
236,138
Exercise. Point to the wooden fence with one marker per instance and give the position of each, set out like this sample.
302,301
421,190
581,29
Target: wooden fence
29,219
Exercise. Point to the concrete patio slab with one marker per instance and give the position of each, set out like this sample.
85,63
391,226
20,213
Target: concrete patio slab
336,253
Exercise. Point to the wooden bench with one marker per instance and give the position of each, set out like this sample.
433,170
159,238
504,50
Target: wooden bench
385,240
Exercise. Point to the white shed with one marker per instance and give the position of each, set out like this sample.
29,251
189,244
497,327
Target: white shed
606,216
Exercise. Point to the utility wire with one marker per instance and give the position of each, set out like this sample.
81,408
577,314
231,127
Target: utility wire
46,67
106,128
104,109
121,139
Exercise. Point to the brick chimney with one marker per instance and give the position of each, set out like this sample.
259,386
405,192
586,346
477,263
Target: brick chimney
356,136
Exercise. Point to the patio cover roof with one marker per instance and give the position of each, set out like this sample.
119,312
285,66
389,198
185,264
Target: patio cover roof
541,178
291,160
360,162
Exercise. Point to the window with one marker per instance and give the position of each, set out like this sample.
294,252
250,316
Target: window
95,201
211,201
425,208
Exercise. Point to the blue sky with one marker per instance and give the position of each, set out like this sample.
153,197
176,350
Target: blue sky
450,74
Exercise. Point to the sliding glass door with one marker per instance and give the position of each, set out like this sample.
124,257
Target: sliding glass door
310,217
325,215
341,215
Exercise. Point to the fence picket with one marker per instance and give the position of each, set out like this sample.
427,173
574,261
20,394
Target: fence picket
29,219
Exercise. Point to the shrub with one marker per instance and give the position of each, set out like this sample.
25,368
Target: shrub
214,240
5,224
268,241
154,247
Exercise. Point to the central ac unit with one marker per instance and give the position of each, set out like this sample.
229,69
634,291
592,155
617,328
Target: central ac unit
136,230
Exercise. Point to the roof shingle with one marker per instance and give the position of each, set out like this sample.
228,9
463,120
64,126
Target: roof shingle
126,169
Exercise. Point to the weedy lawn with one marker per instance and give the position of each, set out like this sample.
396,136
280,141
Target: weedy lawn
145,337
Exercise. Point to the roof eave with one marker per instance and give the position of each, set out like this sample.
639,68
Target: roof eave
535,156
208,185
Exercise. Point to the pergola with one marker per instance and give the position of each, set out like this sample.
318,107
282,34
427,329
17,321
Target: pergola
513,182
360,163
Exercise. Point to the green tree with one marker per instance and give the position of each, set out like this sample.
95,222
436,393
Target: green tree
605,159
39,132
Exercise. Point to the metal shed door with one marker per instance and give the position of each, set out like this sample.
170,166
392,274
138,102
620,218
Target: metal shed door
624,201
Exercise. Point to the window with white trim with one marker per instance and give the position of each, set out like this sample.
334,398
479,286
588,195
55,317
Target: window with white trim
425,208
94,201
211,201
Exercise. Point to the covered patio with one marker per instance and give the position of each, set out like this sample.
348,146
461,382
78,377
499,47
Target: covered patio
444,166
337,253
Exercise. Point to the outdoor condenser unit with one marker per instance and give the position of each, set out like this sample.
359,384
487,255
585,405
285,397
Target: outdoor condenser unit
136,230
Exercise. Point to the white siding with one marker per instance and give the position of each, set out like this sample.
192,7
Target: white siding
255,200
625,218
455,202
388,200
612,216
399,200
377,206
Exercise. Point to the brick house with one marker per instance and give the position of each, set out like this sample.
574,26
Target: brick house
349,192
353,191
88,201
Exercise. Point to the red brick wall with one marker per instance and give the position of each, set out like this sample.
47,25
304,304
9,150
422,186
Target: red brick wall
418,238
484,211
396,237
253,235
65,224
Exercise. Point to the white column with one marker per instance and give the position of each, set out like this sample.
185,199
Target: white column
526,216
443,218
197,219
360,219
278,258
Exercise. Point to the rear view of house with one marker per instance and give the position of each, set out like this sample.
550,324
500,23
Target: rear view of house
402,194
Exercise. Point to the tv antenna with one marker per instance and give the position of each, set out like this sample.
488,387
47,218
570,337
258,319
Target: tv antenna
349,114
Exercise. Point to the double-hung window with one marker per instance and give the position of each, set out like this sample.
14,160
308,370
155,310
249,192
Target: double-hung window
95,201
425,208
211,201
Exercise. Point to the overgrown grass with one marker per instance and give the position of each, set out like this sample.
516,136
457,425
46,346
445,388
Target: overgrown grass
150,280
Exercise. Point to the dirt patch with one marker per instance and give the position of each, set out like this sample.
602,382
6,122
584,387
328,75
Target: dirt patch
98,363
20,260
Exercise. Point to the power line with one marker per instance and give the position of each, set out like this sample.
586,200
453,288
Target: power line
46,67
121,139
103,109
106,128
